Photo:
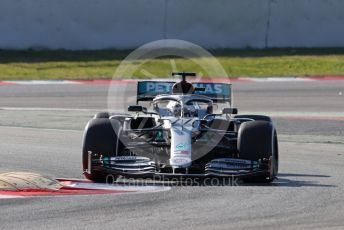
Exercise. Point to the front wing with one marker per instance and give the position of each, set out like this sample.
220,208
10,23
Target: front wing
142,167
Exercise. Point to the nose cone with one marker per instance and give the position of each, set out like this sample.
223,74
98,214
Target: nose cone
181,135
180,162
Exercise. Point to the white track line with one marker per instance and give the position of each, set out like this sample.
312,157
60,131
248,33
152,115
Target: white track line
42,82
278,79
37,128
50,109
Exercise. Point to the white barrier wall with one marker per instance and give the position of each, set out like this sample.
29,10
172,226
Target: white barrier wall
99,24
306,23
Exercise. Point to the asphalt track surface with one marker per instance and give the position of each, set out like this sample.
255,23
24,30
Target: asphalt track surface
307,195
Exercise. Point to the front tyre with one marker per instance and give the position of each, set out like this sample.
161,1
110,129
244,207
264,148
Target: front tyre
258,140
100,137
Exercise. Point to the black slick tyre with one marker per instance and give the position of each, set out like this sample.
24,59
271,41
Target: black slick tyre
100,137
258,140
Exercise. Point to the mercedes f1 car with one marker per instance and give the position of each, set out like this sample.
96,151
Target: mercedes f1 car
181,136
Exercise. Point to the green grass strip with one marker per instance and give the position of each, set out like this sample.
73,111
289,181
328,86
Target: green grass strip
102,64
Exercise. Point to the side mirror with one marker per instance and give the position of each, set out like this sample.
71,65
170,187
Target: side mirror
230,111
137,108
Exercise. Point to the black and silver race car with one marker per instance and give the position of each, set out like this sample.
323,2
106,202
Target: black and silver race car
180,136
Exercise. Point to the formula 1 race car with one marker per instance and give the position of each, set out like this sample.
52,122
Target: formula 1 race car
180,136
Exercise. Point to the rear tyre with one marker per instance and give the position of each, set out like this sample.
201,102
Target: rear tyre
258,140
102,115
100,137
255,117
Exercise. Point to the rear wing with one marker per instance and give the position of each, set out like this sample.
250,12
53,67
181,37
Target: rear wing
218,92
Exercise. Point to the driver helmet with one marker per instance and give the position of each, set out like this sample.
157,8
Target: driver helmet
183,87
